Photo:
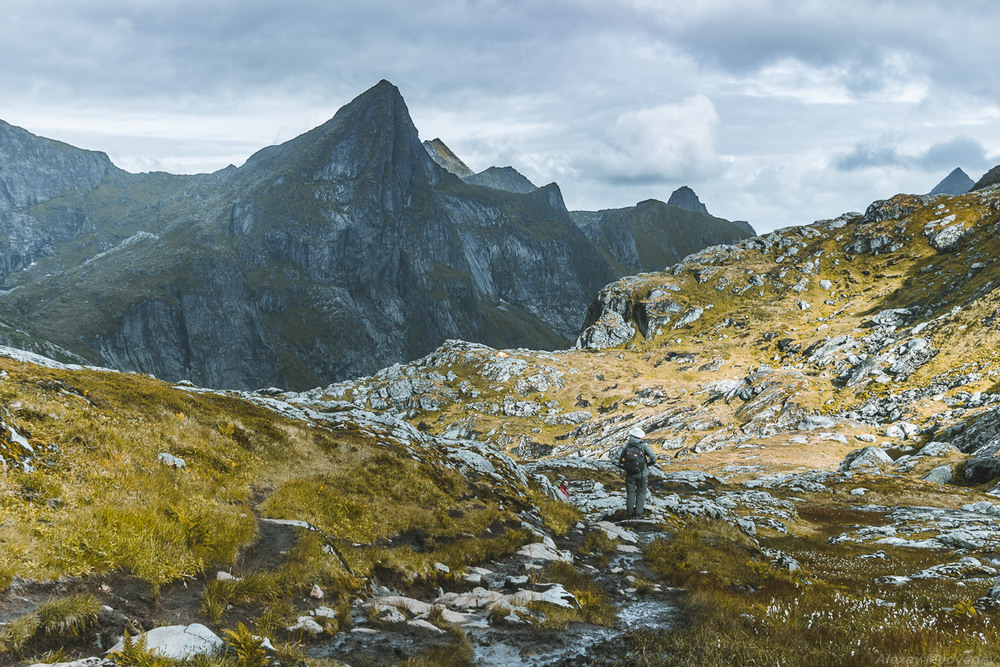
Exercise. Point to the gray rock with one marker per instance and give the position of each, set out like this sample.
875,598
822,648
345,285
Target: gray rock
170,460
872,457
306,625
902,431
689,316
936,448
695,479
960,539
948,238
180,642
891,317
940,475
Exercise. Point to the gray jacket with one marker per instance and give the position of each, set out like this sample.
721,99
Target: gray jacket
650,456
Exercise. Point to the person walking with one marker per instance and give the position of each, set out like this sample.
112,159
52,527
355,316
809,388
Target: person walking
634,459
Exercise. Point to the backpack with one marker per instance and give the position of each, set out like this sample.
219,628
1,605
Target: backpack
633,459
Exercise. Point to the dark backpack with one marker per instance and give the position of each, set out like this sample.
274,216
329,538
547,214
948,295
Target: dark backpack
633,459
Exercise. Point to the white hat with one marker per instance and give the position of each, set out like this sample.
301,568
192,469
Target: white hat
637,432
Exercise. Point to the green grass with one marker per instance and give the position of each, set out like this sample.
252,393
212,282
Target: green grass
56,621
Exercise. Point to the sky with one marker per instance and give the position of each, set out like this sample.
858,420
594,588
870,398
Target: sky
776,112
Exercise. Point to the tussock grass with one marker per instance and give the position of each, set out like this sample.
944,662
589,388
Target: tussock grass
739,609
458,652
100,501
595,603
557,515
597,544
256,588
57,620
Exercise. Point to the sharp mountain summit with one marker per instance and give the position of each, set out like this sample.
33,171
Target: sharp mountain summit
339,252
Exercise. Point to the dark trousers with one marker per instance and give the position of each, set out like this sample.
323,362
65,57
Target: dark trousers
635,495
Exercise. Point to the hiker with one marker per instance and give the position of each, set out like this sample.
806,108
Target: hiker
635,458
564,488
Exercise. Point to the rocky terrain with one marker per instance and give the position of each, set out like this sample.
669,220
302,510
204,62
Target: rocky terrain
337,253
822,401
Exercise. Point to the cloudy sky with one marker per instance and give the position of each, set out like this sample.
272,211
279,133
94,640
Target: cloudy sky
777,112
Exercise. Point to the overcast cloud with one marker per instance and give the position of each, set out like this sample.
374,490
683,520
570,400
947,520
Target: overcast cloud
777,112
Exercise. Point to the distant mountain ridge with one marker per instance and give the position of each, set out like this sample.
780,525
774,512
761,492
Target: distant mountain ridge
339,252
502,178
955,183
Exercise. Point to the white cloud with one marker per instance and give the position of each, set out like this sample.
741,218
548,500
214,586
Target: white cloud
659,144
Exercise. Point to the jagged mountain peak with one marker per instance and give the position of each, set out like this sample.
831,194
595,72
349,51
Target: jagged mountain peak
955,183
684,197
446,159
502,178
372,130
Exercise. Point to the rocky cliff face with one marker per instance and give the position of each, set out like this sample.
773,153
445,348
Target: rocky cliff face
341,251
34,170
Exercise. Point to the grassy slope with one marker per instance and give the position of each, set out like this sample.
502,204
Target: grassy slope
99,503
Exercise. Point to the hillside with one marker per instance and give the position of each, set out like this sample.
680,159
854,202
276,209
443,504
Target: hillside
822,400
330,256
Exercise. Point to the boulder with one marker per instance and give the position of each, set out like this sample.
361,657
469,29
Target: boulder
477,598
940,475
616,532
689,316
542,551
947,238
425,625
180,642
902,430
872,457
551,593
415,607
937,449
306,625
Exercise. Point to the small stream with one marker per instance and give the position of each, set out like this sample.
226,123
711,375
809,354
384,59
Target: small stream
570,646
517,646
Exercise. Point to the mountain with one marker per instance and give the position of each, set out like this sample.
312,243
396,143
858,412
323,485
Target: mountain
445,159
652,235
33,170
685,198
955,183
507,179
992,177
339,252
